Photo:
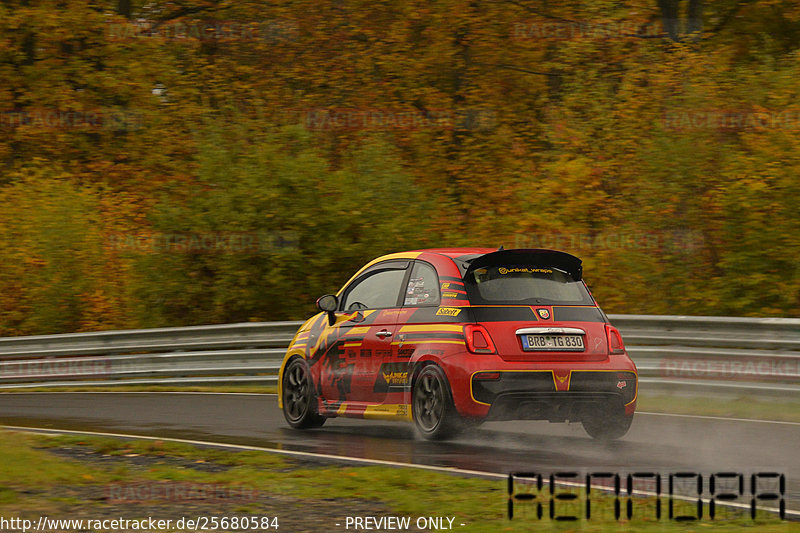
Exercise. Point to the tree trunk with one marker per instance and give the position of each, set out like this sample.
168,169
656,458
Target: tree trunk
694,15
672,23
669,17
124,8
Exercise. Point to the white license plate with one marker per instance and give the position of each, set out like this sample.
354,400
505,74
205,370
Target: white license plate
552,343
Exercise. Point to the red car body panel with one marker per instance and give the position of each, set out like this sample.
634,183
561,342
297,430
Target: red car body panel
364,365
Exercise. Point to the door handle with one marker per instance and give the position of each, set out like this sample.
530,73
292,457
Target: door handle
383,333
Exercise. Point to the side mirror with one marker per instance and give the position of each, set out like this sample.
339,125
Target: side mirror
328,303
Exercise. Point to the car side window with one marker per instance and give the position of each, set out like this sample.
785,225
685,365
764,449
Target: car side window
423,286
378,290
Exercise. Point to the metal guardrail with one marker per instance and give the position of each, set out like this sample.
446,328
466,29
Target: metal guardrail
677,354
724,355
248,352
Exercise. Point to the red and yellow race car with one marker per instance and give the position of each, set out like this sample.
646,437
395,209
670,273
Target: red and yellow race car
452,337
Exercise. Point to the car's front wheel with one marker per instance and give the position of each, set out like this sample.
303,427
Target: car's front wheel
299,399
608,425
432,406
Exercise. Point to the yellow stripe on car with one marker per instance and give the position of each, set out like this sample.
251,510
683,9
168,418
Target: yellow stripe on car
432,327
400,411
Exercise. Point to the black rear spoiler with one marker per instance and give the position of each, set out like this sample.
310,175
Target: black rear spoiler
527,257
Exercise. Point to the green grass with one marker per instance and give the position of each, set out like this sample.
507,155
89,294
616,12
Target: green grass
744,407
34,480
22,465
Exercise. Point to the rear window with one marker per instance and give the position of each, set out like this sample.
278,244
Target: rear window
524,285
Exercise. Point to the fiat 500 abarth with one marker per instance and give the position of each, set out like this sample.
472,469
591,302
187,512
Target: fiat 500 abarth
452,337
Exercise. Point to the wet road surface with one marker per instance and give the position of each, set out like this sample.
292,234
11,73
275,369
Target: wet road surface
665,444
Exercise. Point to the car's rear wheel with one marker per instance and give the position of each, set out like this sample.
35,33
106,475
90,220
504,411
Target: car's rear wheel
607,424
299,399
432,406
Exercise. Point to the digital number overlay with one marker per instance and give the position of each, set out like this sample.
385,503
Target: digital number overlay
681,496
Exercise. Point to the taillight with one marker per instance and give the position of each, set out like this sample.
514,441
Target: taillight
615,345
478,339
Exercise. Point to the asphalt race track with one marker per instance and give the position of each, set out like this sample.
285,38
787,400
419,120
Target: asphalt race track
655,443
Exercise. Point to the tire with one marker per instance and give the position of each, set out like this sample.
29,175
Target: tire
607,426
432,406
299,399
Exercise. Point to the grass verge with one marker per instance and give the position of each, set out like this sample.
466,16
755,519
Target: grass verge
744,407
96,478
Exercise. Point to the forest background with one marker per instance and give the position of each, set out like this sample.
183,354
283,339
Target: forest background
169,163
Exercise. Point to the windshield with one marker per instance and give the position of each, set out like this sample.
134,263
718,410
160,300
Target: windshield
524,285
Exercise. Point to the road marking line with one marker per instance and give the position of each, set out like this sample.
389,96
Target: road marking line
343,458
705,417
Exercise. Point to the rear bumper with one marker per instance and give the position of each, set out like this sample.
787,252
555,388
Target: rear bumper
555,407
493,389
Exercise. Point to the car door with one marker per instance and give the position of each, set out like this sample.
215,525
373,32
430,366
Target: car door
365,326
417,330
